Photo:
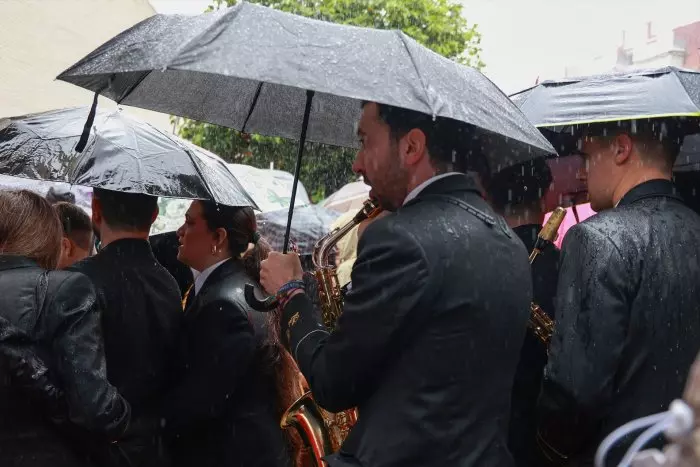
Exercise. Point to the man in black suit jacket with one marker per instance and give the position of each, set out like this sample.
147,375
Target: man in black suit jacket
141,309
429,339
518,194
628,302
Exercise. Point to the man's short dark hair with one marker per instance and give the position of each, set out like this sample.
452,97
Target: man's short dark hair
127,211
76,224
521,184
452,145
666,133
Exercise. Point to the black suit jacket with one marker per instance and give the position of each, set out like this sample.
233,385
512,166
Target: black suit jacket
141,313
533,357
222,411
627,319
430,335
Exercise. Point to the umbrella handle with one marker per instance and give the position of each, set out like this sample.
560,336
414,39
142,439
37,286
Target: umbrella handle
267,304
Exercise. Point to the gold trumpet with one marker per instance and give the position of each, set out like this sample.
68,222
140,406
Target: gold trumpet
540,323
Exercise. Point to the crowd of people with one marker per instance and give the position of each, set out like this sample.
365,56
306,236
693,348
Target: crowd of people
122,349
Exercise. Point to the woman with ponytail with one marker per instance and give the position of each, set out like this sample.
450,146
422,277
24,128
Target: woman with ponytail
224,409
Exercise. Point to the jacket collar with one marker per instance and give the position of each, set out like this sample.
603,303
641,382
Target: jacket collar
650,189
15,262
449,184
134,247
225,269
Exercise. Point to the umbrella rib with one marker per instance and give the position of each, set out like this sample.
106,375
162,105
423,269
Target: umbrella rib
252,105
134,86
415,67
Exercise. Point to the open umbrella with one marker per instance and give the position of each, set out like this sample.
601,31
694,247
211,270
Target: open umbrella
309,224
349,197
263,71
121,154
631,95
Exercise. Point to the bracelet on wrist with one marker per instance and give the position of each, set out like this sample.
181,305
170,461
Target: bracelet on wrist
293,284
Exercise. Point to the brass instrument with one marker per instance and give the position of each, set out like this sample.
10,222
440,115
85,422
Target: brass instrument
541,324
321,431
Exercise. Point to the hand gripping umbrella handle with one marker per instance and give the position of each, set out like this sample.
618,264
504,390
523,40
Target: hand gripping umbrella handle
268,304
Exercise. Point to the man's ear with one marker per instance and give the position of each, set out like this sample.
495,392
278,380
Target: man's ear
415,146
623,145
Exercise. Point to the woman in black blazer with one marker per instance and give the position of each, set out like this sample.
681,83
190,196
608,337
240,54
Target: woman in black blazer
224,409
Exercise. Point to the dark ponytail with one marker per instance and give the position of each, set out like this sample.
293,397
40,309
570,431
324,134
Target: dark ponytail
242,230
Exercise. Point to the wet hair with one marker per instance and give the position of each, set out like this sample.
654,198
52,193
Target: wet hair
445,138
127,211
241,230
76,224
521,184
22,213
648,134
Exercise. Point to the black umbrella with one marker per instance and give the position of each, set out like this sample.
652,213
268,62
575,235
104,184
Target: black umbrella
121,154
309,224
560,108
263,71
641,94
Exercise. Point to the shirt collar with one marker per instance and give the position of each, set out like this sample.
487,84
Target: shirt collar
416,191
201,278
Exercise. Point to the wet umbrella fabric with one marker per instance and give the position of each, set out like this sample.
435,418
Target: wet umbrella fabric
655,93
122,154
349,197
248,67
309,224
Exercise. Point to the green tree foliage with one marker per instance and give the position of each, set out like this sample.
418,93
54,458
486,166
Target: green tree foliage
437,24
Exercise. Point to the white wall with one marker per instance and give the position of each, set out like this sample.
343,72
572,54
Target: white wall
41,38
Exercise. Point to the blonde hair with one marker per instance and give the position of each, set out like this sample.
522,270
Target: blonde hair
30,227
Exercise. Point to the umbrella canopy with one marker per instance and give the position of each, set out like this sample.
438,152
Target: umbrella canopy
631,95
81,196
251,68
270,189
350,197
122,154
309,224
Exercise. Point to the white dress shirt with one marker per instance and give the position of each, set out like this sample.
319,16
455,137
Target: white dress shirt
422,186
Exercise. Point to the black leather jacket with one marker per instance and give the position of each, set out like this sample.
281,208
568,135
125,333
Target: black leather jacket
51,317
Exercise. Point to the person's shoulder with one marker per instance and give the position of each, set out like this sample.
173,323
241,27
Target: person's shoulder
70,287
394,229
87,265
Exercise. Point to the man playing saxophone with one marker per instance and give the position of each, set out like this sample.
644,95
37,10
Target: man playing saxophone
428,341
517,193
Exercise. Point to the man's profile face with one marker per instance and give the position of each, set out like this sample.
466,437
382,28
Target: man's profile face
379,160
599,171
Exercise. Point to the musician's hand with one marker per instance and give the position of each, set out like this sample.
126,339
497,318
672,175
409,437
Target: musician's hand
278,269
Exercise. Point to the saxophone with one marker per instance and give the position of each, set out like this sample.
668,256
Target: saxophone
540,323
323,432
